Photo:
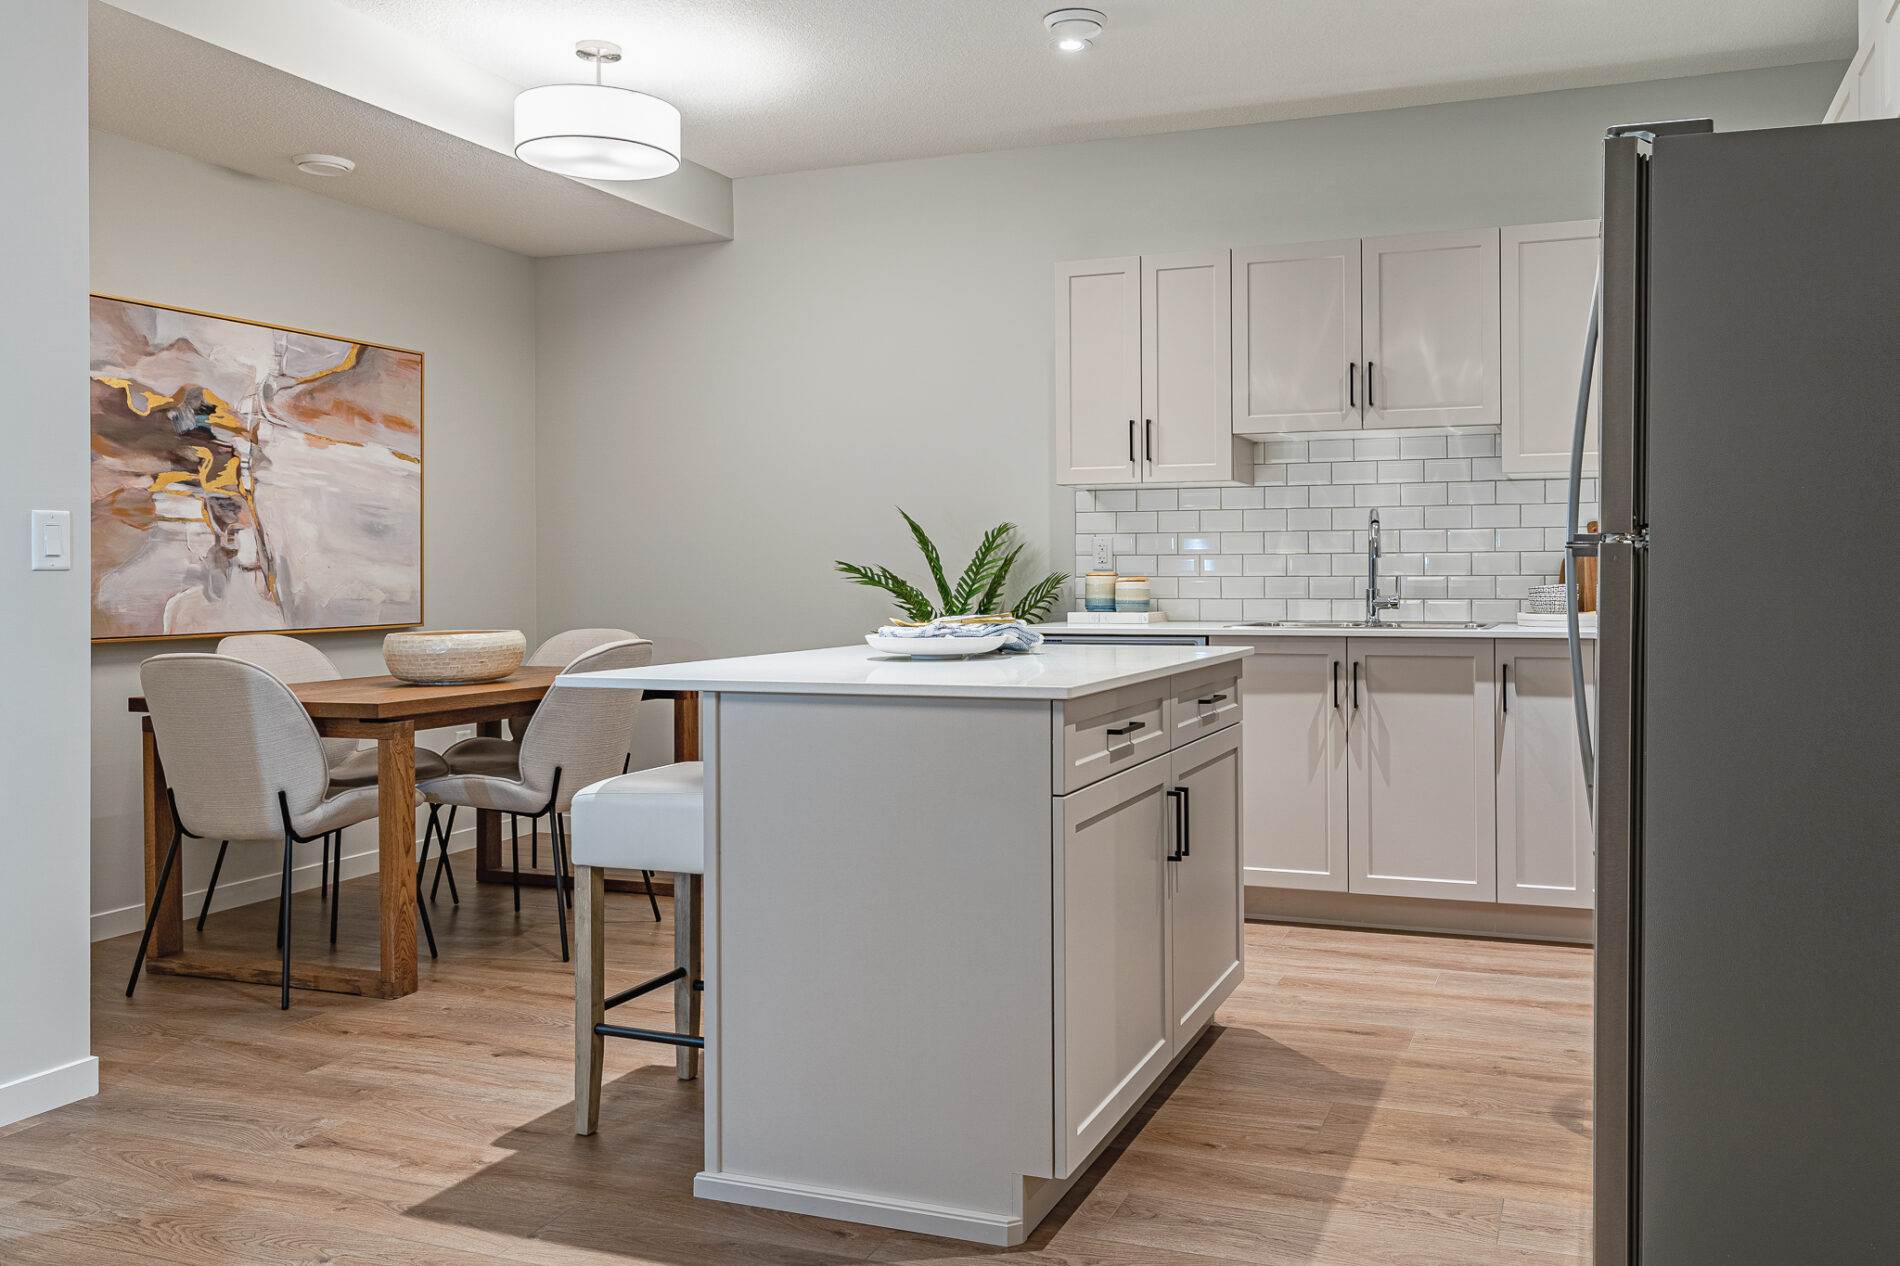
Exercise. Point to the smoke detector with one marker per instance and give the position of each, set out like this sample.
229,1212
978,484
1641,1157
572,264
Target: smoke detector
1074,30
323,165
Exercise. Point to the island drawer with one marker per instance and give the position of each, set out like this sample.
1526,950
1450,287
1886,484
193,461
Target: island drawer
1106,733
1203,701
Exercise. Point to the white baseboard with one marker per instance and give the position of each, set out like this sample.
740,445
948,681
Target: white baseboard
978,1225
107,924
43,1091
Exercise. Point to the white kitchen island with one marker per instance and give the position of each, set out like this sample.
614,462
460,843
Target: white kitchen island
961,918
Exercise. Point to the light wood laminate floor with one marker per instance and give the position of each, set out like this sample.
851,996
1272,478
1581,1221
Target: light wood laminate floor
1367,1098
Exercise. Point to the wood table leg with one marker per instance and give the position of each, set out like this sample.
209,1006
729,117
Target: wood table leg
686,725
396,870
687,947
168,934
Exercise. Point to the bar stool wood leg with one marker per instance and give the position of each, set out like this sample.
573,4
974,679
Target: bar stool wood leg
686,954
590,991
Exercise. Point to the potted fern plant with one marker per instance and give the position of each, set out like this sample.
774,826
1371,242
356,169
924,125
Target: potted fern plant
978,590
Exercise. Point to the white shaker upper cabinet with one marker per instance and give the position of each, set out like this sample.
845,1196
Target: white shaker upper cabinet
1430,319
1293,821
1098,371
1546,848
1186,368
1421,745
1296,338
1548,278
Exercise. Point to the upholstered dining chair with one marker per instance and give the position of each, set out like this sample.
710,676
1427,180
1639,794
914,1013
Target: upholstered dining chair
352,761
577,737
496,755
243,761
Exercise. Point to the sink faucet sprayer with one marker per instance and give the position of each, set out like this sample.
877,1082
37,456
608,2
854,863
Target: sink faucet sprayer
1374,603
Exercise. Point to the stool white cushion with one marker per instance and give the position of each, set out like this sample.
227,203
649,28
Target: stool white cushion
651,819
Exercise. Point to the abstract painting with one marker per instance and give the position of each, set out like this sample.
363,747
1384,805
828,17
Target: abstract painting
249,478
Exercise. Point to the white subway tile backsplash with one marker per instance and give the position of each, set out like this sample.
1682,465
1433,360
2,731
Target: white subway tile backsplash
1464,541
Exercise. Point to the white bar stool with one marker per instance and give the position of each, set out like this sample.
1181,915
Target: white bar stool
652,819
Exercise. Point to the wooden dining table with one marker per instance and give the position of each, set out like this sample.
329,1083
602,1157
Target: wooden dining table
389,712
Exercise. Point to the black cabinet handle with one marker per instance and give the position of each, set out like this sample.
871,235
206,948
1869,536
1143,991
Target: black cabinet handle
1179,797
1187,822
1369,403
1148,439
1211,699
1131,439
1504,691
1130,728
1352,385
1335,685
1355,685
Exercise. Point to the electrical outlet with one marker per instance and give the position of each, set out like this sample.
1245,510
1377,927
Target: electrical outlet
1104,552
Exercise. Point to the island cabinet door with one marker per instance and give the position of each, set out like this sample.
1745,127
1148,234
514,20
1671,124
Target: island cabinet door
1546,847
1112,1033
1422,747
1293,765
1204,910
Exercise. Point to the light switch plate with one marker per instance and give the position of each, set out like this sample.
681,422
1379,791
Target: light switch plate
52,540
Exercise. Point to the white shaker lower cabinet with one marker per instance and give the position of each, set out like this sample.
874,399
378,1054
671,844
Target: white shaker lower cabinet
1421,742
1114,1038
1204,909
1293,819
1546,852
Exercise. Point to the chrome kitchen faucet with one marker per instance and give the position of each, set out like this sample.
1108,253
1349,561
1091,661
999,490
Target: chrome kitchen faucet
1374,603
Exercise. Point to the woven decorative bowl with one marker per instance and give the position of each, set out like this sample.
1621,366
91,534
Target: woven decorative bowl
454,657
1547,600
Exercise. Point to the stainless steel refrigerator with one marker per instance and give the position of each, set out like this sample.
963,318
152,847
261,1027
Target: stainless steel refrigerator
1747,772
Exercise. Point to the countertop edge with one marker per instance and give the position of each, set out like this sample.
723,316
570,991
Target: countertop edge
1198,628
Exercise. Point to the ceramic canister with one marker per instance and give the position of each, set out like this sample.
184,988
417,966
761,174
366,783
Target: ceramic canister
1131,593
1098,591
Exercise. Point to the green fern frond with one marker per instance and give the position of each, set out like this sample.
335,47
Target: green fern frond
909,599
1036,601
979,573
993,592
929,550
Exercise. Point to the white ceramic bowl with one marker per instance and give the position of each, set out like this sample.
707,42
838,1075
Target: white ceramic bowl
454,656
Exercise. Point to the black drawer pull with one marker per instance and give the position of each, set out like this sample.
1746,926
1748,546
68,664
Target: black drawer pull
1130,728
1211,700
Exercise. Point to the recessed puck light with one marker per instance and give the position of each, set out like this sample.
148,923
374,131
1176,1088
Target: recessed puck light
323,165
1074,30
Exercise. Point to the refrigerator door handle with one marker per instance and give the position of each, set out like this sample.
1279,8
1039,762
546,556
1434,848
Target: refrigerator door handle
1577,546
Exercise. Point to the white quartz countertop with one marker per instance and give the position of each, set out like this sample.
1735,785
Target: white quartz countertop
1051,672
1231,629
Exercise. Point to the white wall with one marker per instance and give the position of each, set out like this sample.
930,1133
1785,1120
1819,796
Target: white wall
719,422
45,992
177,231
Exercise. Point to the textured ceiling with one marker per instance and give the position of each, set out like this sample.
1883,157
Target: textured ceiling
785,85
152,84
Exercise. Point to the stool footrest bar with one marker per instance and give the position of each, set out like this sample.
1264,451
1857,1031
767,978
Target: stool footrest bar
644,987
651,1035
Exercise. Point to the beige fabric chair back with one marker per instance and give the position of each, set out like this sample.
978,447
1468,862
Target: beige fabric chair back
584,732
232,736
564,648
290,659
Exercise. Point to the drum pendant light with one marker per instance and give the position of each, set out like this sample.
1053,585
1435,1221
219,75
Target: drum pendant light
596,131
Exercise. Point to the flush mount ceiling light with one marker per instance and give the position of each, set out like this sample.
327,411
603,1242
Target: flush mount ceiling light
1073,30
596,131
323,165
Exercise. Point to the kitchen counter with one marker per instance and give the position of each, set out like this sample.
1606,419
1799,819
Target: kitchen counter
1233,629
1053,672
959,922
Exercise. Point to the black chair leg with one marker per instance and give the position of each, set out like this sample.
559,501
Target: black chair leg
652,900
442,866
514,841
213,885
158,899
336,897
428,834
422,909
560,898
534,843
563,873
283,923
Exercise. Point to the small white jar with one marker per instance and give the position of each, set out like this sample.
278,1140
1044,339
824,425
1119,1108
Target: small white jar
1098,591
1131,594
